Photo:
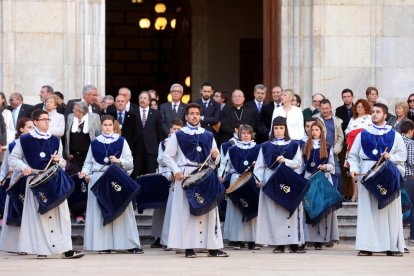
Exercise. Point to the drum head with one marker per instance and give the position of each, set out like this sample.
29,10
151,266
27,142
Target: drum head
373,171
239,182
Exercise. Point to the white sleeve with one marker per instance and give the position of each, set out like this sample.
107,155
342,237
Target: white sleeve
260,167
354,159
16,158
296,162
170,153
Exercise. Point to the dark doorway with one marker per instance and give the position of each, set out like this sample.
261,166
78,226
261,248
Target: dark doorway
251,65
143,59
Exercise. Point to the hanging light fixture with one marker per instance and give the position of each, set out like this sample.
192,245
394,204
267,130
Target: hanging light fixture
160,8
160,23
144,23
172,23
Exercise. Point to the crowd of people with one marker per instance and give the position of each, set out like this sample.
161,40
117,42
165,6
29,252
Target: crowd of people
203,149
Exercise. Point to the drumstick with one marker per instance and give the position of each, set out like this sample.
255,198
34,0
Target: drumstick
225,166
202,165
276,160
50,161
381,159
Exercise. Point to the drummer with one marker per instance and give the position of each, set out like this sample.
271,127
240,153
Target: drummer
122,233
187,231
159,220
239,158
9,236
274,227
318,155
49,233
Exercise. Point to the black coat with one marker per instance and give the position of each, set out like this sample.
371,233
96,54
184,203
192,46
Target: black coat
25,111
211,114
230,119
148,138
168,115
265,119
133,109
260,138
342,113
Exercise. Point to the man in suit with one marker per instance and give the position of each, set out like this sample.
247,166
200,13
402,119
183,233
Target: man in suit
257,104
315,107
46,91
235,114
268,113
90,94
220,97
149,134
210,110
131,107
107,101
18,108
174,109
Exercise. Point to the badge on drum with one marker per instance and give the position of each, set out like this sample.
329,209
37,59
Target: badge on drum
246,162
42,154
106,159
374,151
199,149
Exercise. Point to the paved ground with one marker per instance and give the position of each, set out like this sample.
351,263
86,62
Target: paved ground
339,260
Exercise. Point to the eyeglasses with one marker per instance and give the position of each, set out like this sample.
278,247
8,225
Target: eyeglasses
44,120
410,101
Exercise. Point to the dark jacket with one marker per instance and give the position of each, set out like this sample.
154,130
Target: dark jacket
230,120
342,113
211,114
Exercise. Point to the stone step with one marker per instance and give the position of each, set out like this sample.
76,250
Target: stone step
345,219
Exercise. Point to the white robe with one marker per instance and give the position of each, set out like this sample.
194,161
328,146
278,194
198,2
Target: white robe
378,230
274,227
45,234
187,231
327,229
120,234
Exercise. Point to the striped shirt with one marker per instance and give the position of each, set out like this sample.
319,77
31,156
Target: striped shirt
409,163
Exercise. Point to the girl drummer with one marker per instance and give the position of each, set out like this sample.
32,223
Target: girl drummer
274,225
9,237
122,233
241,227
318,155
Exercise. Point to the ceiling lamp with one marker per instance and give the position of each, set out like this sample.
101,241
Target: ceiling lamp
137,1
172,23
160,23
144,23
160,8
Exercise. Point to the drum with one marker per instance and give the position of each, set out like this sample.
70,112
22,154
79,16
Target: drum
226,182
197,176
244,193
78,200
114,190
321,199
205,194
17,193
383,182
286,188
51,188
154,191
3,193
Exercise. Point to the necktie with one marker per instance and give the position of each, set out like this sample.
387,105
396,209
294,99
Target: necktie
277,105
144,118
120,121
259,106
175,108
206,105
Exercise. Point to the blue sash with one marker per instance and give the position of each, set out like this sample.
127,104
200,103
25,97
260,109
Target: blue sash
383,183
32,147
114,190
238,156
271,152
246,198
78,200
154,191
205,196
321,199
17,195
189,144
225,147
286,188
369,142
101,150
51,193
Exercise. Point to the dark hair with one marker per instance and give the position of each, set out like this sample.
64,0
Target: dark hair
145,92
247,128
21,124
107,117
177,122
224,95
406,126
49,89
278,121
154,100
207,84
298,99
37,113
4,98
59,94
364,103
326,101
411,95
323,152
369,90
382,106
192,105
347,90
311,119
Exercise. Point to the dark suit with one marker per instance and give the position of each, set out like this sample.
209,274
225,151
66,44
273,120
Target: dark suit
60,108
260,138
342,113
168,115
133,108
231,117
148,139
69,107
25,111
211,114
265,120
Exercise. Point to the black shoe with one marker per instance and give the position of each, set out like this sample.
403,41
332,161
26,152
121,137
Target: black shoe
217,253
105,251
395,253
190,253
294,248
41,257
232,243
406,250
279,249
156,243
318,246
72,254
253,246
364,253
135,251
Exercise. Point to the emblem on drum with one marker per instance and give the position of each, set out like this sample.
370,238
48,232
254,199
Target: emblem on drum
83,187
21,197
285,188
199,198
43,197
244,202
116,186
382,190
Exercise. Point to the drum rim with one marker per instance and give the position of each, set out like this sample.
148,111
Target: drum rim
49,172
